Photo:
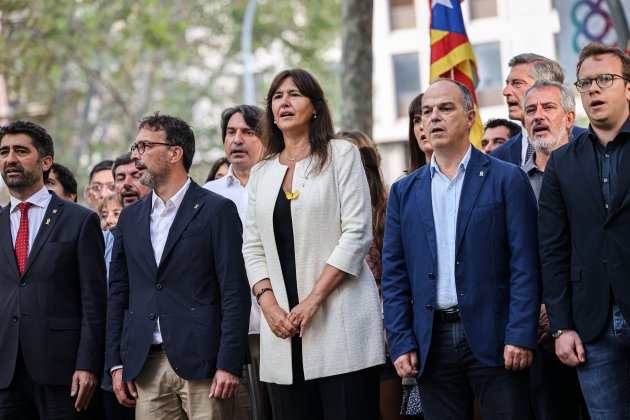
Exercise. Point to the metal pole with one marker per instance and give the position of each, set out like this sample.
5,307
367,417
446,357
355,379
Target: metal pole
619,22
249,89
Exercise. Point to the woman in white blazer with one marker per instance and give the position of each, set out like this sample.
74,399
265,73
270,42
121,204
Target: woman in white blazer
308,230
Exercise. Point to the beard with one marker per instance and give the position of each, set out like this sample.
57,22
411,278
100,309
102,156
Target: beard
153,179
26,180
550,144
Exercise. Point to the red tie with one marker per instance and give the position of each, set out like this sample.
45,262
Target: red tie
21,242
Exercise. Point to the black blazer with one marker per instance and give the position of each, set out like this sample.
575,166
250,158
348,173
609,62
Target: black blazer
199,291
585,249
511,151
56,310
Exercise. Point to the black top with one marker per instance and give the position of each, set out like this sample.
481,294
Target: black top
283,232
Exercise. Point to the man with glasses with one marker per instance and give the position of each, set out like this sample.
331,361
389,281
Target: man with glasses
177,338
584,228
101,183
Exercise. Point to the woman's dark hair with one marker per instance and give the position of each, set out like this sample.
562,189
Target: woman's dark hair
378,194
321,129
416,156
215,168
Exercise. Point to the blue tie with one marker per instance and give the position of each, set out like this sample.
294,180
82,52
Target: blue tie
528,153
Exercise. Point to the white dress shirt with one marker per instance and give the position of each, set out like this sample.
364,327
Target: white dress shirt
39,201
230,187
162,217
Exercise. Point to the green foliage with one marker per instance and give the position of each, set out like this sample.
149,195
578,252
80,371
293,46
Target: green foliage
89,70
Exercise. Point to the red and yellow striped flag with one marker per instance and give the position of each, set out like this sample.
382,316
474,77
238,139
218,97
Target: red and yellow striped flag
452,55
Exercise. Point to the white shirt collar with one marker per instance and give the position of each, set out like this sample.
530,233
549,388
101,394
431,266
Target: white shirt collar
231,178
39,199
175,199
462,165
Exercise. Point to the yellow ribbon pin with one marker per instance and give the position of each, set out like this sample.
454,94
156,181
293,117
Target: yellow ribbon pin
196,206
481,173
54,211
292,195
47,221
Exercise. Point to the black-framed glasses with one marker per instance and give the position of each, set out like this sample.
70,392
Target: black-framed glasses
142,145
604,81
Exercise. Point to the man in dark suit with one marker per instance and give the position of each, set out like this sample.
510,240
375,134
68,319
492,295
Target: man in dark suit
461,284
52,287
178,309
584,223
525,69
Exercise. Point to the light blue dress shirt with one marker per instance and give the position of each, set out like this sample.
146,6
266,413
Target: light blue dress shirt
445,196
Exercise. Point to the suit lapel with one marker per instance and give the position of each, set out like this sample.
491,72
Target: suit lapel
53,214
6,240
143,222
476,174
588,166
516,150
425,204
188,208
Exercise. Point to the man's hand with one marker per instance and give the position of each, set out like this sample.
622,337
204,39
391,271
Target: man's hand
407,364
122,388
516,357
224,385
84,384
569,348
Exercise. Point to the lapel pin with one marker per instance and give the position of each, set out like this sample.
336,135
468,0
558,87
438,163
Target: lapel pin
47,221
54,211
196,206
480,173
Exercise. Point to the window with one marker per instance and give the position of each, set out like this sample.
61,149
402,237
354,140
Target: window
402,14
489,90
482,8
407,81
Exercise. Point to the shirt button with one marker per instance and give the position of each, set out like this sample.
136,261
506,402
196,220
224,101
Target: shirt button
429,308
152,317
605,179
22,283
606,205
607,155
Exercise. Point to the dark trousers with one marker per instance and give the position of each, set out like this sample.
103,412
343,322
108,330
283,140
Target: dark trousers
554,389
349,396
25,400
113,409
453,377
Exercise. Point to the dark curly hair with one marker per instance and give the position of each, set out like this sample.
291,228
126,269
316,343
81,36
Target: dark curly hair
178,133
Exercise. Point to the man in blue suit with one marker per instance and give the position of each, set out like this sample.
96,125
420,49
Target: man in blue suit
525,69
461,282
178,308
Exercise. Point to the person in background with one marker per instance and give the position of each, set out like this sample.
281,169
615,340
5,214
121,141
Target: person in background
525,69
219,169
391,383
308,232
101,183
61,180
108,211
420,150
127,183
241,141
497,132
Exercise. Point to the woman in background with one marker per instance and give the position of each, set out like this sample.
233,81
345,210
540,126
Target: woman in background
308,231
219,169
420,151
109,209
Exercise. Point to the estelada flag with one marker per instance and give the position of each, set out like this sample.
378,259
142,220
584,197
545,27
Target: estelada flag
452,56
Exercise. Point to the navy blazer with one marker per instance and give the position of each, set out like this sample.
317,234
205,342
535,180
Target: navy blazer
497,270
56,309
511,150
584,247
199,291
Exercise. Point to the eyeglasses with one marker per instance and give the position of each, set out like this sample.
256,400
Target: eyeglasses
142,145
604,81
97,187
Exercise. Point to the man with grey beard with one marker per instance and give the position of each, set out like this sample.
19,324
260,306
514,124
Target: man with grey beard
549,114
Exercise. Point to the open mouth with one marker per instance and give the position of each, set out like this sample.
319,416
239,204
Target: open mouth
540,130
286,114
596,102
437,130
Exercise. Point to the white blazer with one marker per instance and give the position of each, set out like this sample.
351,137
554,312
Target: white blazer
331,225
